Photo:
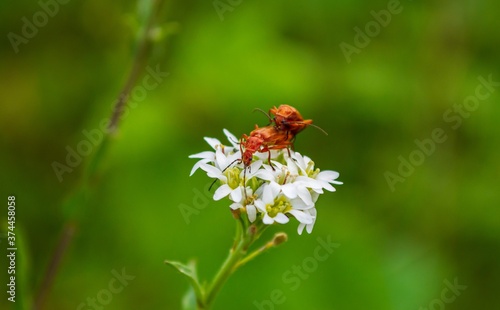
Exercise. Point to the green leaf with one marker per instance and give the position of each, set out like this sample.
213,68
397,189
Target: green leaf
188,270
197,290
189,300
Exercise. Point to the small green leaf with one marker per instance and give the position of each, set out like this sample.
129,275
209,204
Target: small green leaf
189,271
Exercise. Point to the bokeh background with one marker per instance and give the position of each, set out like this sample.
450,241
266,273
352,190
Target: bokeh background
399,245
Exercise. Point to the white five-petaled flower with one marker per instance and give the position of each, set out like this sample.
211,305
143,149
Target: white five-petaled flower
275,206
288,186
314,178
286,179
211,157
247,203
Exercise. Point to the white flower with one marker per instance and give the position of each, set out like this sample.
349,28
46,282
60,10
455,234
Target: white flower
274,205
225,165
212,157
309,227
230,177
313,178
246,204
286,177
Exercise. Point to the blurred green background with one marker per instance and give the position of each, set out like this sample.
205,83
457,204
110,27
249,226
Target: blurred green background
399,245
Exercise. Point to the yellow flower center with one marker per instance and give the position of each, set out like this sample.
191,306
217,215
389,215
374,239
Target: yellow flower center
280,205
233,177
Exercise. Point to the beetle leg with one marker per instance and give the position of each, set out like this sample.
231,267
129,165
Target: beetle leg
269,159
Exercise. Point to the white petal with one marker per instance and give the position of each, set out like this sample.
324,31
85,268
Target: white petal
252,213
264,175
213,172
301,216
212,141
236,194
276,188
249,191
300,161
301,228
233,158
260,191
198,165
328,187
292,167
281,218
235,206
317,191
260,205
221,159
304,194
267,195
299,204
309,182
309,228
315,197
254,167
327,175
313,213
270,192
231,138
222,192
206,154
277,165
307,160
289,190
267,219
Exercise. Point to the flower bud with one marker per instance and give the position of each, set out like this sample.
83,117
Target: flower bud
280,238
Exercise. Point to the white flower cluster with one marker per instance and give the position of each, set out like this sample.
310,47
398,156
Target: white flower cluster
290,187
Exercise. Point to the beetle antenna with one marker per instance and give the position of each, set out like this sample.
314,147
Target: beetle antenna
234,141
212,184
320,129
260,110
315,126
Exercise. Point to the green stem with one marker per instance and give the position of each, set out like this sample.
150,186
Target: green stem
254,254
277,240
227,268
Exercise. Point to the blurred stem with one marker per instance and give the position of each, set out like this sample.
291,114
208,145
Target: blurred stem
64,240
144,44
